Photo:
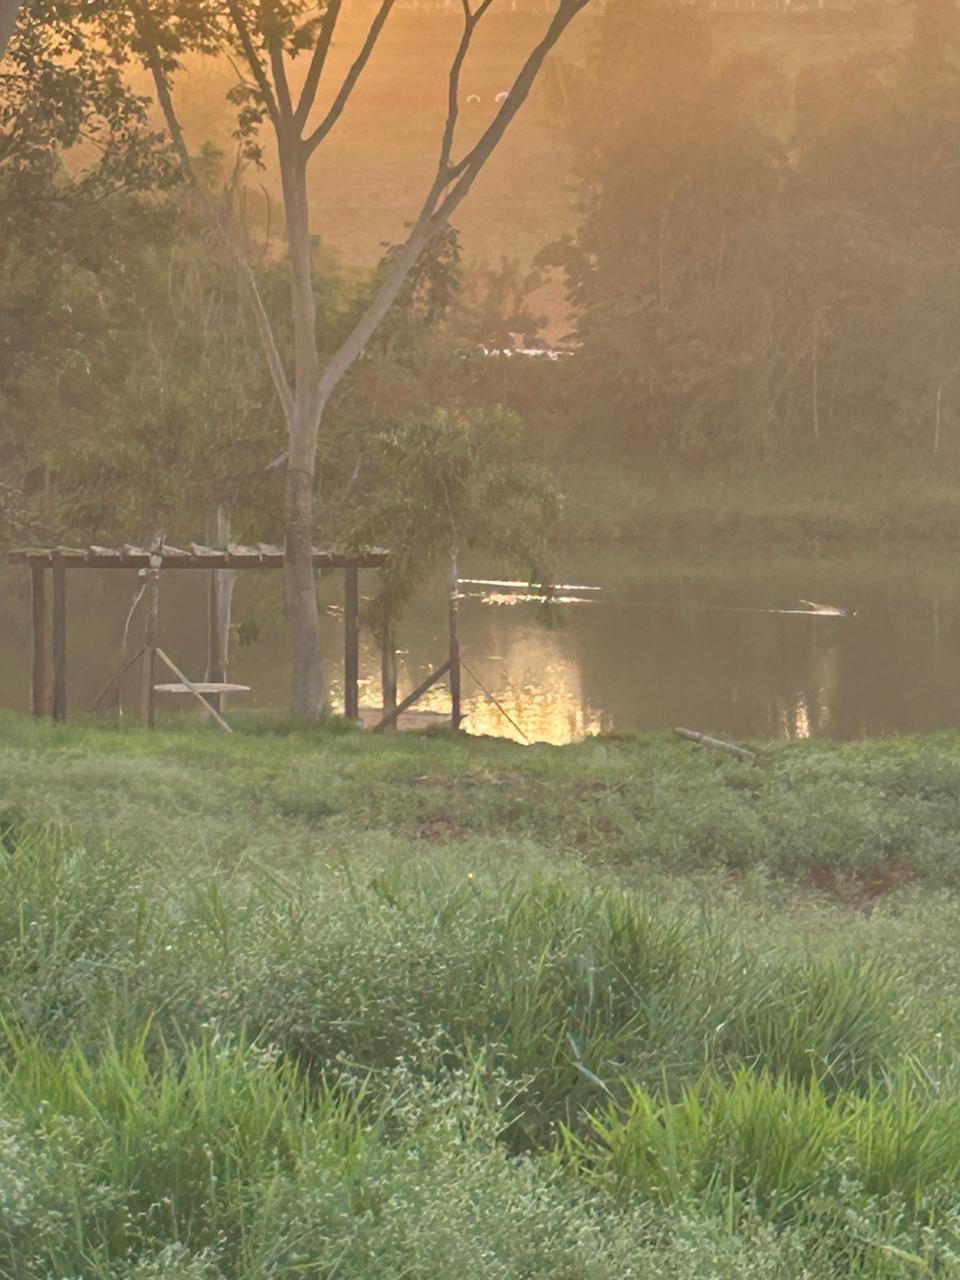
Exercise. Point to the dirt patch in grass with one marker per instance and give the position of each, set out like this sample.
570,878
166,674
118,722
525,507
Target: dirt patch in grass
863,889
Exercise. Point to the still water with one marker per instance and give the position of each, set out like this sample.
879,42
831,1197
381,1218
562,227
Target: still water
706,640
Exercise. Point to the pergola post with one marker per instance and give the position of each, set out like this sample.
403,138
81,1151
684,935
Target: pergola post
456,714
150,635
39,605
59,627
351,644
388,669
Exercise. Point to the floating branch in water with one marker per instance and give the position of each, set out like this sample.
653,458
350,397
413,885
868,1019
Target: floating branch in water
496,582
829,610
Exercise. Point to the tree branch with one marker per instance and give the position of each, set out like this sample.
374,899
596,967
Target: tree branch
147,34
319,60
268,20
353,75
453,93
467,169
9,10
254,63
436,211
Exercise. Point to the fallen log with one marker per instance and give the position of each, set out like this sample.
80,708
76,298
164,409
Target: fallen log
704,740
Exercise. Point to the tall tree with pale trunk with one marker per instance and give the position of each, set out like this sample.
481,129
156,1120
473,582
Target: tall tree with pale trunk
265,36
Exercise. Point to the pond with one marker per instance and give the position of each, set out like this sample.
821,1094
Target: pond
706,639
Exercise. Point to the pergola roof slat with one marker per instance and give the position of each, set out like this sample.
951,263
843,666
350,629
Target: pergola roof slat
237,552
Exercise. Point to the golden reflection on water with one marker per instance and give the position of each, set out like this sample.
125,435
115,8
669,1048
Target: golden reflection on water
551,713
537,685
534,682
801,718
810,711
792,719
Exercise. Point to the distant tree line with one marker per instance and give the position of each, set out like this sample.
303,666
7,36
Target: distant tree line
762,265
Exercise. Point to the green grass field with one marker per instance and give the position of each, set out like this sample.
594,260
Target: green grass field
317,1004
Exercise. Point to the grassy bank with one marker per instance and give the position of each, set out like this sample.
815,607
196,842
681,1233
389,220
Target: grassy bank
295,1004
799,506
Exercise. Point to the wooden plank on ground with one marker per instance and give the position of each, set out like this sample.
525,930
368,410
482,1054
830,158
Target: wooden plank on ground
704,740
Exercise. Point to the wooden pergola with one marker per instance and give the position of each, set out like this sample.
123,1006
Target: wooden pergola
153,560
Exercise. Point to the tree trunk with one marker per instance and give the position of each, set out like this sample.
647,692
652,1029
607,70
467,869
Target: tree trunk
307,687
303,615
304,405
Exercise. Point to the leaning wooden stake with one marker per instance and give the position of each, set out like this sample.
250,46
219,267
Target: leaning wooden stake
704,740
115,678
191,688
392,716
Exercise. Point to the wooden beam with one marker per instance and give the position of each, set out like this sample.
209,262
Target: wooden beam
351,644
59,627
396,712
39,605
130,557
456,710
